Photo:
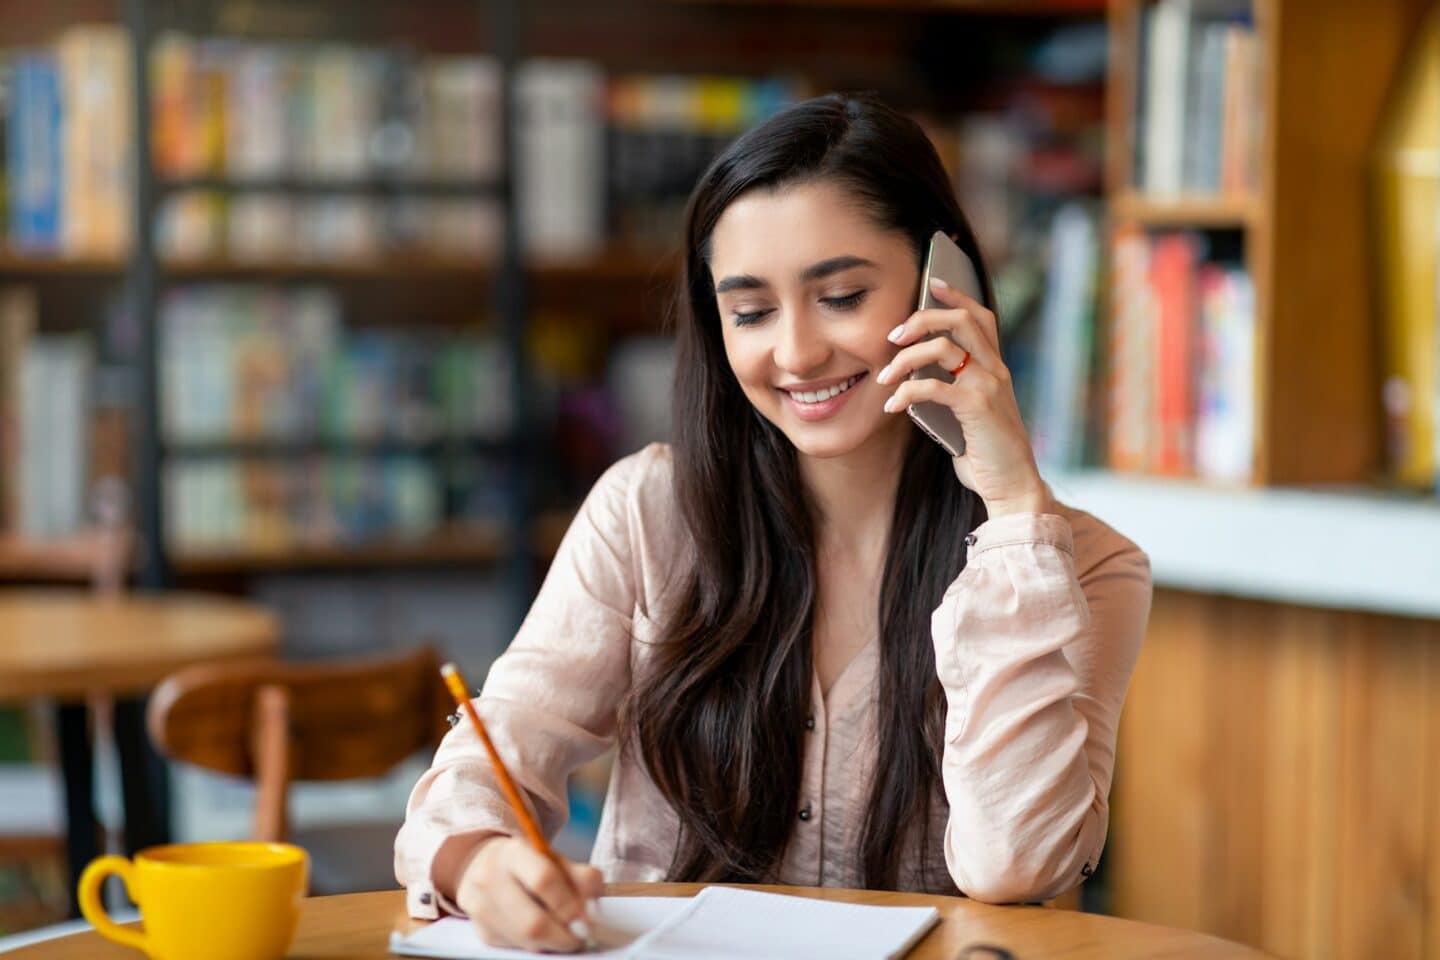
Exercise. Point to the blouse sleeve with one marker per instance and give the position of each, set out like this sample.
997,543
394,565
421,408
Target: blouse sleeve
549,702
1035,657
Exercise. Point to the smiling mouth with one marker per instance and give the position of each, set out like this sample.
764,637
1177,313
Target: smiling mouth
820,396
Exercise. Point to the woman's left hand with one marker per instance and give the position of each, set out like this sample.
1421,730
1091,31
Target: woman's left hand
998,463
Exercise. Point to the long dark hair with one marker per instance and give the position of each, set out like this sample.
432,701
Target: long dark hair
718,717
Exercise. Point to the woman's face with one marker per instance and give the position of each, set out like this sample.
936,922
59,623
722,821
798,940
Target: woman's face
807,289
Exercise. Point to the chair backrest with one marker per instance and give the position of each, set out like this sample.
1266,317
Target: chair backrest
277,722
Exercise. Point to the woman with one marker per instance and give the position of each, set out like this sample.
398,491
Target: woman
829,653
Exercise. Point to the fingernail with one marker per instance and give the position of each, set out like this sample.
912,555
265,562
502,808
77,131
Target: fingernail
896,334
884,374
939,283
581,928
890,404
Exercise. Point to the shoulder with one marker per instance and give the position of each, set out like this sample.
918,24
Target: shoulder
632,508
637,483
1101,550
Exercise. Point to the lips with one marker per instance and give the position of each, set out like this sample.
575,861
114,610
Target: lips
821,404
827,393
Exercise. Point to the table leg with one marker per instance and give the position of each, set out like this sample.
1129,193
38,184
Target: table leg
144,779
82,831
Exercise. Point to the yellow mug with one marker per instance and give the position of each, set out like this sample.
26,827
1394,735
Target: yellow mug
204,901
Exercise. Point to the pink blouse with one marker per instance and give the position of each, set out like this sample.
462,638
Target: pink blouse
1034,643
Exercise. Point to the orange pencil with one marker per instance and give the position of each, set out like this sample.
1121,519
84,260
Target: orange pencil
456,684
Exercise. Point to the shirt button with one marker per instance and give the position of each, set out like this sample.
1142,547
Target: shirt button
425,899
805,812
969,539
809,723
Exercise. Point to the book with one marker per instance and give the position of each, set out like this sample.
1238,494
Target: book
1132,359
35,145
1173,263
1166,70
19,312
560,143
1197,113
56,373
1206,94
1067,320
95,71
1225,412
728,922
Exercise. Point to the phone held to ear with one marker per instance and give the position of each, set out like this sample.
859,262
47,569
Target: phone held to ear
948,262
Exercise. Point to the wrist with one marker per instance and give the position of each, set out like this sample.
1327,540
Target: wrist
1035,500
454,860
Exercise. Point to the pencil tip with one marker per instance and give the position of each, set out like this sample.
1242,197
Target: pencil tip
447,669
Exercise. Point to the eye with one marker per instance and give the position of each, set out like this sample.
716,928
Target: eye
848,302
744,319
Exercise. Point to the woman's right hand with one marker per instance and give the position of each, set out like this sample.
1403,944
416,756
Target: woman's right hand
518,898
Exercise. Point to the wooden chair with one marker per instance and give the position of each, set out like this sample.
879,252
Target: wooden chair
276,723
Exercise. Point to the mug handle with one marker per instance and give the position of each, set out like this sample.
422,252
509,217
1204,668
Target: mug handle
94,911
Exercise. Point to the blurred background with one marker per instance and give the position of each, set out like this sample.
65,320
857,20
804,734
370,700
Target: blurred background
336,310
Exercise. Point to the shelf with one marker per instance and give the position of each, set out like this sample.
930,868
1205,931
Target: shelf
1340,549
997,7
608,267
39,264
62,558
463,544
276,449
469,544
320,187
1239,212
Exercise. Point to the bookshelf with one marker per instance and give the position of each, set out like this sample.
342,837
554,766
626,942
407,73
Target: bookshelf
1324,70
619,290
1288,674
1237,213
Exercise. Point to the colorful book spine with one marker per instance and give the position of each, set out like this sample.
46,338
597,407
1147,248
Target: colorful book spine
1173,265
36,157
1132,354
1225,417
96,130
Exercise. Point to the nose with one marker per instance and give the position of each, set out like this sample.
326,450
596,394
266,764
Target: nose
800,345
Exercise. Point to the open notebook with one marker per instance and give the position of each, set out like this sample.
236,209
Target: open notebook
719,923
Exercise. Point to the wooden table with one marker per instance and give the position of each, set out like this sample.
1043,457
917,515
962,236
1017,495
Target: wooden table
357,927
68,645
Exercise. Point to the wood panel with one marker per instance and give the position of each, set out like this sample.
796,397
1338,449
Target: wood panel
1277,781
1431,933
1333,62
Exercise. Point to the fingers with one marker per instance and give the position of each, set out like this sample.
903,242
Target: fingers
948,296
518,917
518,897
588,880
553,888
941,351
962,333
968,328
977,390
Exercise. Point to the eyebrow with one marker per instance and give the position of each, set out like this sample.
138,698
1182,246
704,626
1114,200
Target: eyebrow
816,271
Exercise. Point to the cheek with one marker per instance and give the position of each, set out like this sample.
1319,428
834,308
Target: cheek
747,357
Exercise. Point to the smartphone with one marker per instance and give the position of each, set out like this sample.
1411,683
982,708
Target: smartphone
948,262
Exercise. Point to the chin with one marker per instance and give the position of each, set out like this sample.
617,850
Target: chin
826,442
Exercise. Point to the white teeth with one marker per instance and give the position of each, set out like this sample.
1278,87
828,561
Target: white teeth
819,396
